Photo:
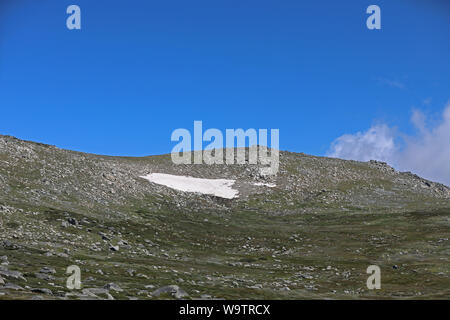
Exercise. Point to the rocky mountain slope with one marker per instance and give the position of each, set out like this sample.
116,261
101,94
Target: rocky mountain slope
312,234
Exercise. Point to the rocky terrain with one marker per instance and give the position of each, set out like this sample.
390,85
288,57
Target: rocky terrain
312,235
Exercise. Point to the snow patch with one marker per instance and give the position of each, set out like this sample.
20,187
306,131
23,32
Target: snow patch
216,187
270,185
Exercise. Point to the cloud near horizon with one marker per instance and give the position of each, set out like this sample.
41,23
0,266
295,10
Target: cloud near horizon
427,153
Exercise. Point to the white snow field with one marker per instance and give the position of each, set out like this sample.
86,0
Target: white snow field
216,187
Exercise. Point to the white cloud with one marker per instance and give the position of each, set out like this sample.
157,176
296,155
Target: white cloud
376,143
427,153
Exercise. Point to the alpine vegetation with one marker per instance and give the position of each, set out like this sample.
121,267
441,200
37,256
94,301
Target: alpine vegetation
83,226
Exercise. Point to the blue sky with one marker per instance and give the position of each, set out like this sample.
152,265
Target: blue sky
137,70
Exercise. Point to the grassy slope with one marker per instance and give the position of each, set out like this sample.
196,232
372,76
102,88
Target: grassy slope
316,233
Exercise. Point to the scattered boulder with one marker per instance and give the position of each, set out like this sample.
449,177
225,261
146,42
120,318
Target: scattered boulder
12,286
113,286
104,236
44,276
174,290
11,274
48,270
94,292
8,245
114,248
72,221
42,290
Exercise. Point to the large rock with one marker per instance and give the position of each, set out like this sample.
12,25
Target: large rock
11,274
95,292
48,270
12,286
42,290
44,276
174,290
8,245
113,286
